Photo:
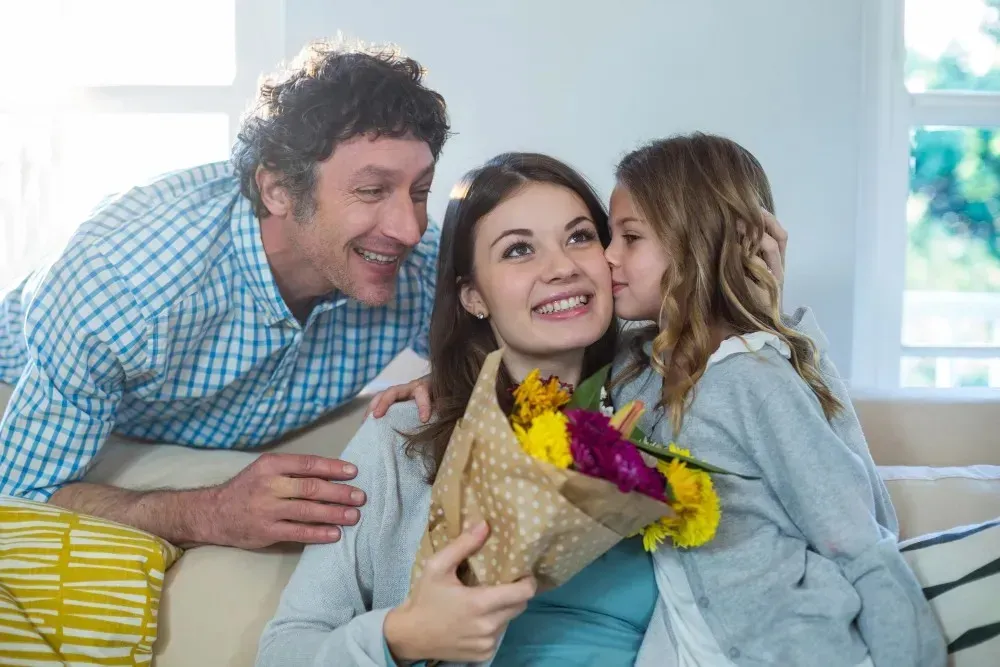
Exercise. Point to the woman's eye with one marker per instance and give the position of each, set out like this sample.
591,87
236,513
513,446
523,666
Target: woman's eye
516,250
583,236
630,238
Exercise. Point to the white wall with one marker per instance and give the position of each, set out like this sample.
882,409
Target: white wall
586,81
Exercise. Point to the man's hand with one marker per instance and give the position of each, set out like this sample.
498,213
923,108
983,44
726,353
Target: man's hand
284,498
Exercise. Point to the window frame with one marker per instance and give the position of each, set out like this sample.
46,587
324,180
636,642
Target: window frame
259,43
890,111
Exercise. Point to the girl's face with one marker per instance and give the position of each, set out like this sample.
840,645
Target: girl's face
540,274
638,261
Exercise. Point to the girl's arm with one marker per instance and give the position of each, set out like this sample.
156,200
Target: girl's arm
826,490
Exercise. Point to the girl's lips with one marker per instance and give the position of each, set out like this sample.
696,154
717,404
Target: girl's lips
618,287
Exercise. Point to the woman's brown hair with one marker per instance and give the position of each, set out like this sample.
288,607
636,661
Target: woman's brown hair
705,196
459,342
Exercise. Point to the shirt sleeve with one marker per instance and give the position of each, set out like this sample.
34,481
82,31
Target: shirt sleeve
82,332
825,489
431,245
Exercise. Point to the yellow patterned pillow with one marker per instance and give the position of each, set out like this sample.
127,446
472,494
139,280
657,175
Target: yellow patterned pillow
76,589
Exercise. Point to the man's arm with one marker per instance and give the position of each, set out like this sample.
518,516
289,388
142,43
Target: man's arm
277,498
183,518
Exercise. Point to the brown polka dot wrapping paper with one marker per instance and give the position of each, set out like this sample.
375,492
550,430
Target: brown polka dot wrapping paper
544,520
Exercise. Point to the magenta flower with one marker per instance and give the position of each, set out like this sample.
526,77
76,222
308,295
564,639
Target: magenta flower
599,450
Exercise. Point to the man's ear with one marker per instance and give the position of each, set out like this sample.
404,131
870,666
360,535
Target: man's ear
472,301
273,194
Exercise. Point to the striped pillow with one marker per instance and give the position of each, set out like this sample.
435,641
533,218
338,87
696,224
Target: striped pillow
959,570
76,589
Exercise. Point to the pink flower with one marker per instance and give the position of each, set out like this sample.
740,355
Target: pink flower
599,450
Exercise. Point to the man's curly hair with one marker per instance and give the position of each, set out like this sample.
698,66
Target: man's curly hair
332,93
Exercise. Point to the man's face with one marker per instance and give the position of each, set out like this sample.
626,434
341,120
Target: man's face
370,210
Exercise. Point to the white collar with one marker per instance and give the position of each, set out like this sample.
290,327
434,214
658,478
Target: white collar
751,342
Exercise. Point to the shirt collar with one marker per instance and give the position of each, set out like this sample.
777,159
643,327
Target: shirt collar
253,263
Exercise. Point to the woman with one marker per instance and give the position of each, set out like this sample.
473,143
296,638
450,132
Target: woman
521,264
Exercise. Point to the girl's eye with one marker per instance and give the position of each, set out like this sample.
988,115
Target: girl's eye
630,238
583,236
515,250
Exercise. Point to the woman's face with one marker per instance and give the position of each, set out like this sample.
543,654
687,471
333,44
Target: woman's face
540,273
637,260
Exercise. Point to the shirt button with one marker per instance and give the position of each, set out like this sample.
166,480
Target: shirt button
703,602
734,653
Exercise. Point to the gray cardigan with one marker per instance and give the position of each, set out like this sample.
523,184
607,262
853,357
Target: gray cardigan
332,610
804,569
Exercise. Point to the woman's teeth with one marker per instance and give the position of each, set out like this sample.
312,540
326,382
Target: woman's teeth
375,257
562,304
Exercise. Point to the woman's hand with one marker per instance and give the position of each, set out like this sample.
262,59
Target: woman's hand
416,390
443,619
772,248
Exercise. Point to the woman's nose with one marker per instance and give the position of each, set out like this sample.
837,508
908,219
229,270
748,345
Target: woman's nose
561,266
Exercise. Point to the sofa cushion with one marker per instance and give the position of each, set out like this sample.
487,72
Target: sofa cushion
76,589
959,570
928,500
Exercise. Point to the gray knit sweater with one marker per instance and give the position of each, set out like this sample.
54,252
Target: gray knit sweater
804,569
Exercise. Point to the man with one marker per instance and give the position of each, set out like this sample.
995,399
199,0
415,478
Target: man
226,305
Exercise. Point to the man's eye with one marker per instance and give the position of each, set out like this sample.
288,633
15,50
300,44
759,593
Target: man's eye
516,250
421,195
370,192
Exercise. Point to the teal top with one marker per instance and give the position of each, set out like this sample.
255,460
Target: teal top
598,617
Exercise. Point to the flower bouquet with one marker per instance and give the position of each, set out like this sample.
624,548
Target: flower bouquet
560,482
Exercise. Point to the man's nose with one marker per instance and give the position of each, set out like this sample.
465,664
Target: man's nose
405,223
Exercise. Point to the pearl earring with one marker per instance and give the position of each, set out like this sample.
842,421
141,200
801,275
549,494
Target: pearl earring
481,316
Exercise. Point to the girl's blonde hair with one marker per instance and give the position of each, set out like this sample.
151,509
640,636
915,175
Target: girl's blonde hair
705,196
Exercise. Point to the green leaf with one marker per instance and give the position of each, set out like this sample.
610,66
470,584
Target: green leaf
662,453
587,395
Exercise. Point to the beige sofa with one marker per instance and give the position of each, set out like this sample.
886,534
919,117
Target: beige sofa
941,458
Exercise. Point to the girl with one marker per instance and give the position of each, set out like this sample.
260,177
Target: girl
804,568
522,232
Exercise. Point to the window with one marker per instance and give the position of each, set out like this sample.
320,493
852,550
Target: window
101,95
933,198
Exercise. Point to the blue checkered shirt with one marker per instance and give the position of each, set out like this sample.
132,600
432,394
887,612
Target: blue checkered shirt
161,321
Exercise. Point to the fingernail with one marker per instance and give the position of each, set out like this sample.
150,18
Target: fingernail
357,496
350,469
334,533
351,515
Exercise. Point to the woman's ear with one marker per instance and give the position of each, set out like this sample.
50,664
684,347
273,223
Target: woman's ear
472,301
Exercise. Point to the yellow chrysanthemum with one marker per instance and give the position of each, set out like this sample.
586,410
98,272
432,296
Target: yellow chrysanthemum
547,439
696,505
533,397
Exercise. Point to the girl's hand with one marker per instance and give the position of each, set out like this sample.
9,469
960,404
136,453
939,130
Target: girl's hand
416,390
443,619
